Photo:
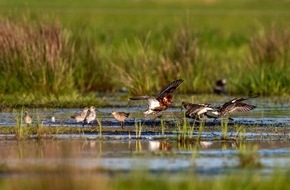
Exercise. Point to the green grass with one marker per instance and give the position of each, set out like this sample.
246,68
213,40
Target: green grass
56,48
143,180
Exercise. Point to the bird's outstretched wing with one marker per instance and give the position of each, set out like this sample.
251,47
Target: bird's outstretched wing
241,107
169,88
140,98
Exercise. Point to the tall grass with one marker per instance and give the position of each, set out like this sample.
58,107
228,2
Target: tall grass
43,57
268,62
35,58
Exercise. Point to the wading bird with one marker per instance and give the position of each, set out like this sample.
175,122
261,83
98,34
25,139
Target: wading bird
91,116
162,101
121,116
27,118
220,87
80,117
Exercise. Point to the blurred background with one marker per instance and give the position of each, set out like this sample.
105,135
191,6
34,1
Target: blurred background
60,47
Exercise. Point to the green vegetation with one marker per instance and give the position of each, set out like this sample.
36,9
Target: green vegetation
144,180
61,48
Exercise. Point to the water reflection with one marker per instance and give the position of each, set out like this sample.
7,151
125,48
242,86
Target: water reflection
129,154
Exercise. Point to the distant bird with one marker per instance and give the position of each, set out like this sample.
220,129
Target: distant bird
52,119
195,110
27,118
220,86
80,117
234,105
121,116
91,116
162,101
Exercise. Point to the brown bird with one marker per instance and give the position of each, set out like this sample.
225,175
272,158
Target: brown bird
163,100
220,87
234,105
80,117
121,116
27,118
91,116
195,110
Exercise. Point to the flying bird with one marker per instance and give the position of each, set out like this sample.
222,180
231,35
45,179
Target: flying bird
234,105
195,110
162,101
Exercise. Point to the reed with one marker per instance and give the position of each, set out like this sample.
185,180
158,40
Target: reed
100,128
248,156
60,54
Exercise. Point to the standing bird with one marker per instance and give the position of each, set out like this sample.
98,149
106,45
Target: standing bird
80,117
91,116
220,87
27,118
234,105
162,101
195,110
121,116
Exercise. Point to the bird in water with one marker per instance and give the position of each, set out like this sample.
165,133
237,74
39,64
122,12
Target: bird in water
80,117
91,116
27,118
120,116
195,110
220,87
162,101
234,105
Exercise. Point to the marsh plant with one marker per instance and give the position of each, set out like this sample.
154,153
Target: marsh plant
240,132
248,156
138,129
21,129
42,57
100,127
224,128
268,63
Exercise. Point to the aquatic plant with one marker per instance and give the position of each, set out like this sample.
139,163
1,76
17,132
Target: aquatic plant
248,156
224,128
21,129
138,129
100,127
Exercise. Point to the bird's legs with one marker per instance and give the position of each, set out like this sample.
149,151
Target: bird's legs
122,124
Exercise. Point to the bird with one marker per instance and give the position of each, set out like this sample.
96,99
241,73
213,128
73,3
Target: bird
91,116
195,110
162,101
220,87
120,116
27,118
80,117
234,105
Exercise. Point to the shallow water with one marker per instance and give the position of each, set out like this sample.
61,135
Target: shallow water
274,114
205,157
266,128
